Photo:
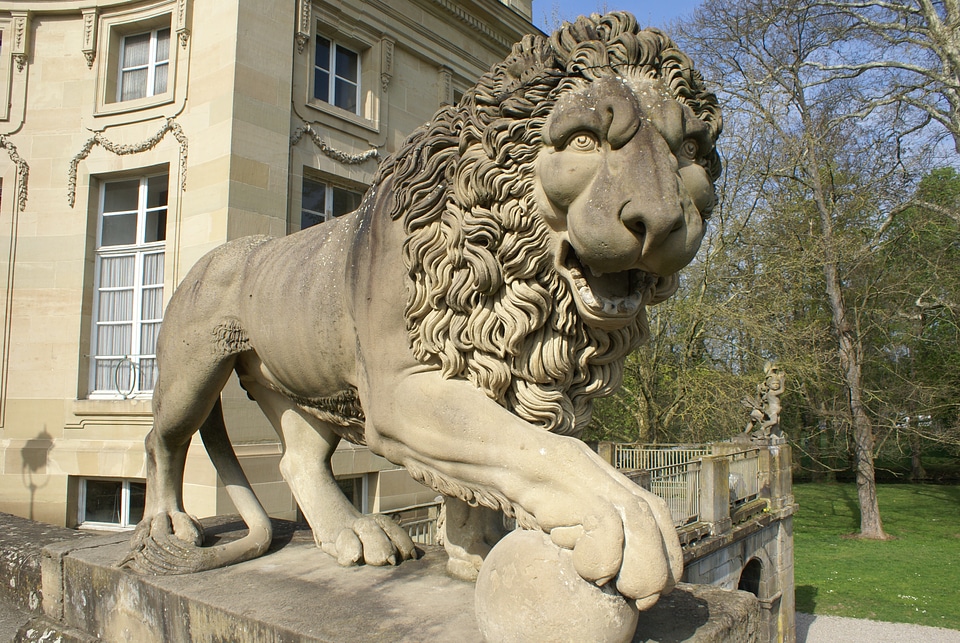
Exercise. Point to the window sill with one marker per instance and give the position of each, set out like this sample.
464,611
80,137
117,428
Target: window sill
344,115
104,527
138,406
134,105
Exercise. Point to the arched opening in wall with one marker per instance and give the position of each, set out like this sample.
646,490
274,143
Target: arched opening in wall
750,577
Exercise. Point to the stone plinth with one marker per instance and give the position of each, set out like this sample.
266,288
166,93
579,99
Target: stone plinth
295,593
21,541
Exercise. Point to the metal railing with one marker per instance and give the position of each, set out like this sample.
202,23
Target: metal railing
744,476
420,521
675,474
635,456
679,485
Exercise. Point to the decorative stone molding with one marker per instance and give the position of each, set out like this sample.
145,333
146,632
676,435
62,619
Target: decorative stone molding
98,138
386,62
89,35
304,23
336,155
183,28
23,171
21,37
471,21
446,85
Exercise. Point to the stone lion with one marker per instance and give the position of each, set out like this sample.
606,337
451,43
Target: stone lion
462,321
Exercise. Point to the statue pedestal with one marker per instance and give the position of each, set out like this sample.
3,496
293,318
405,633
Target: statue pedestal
297,593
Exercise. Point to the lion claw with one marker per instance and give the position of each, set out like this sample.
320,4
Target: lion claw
372,540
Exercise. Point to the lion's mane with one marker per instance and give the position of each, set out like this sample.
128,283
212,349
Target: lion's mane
485,301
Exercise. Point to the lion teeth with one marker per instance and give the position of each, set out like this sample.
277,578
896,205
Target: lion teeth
613,305
627,305
586,295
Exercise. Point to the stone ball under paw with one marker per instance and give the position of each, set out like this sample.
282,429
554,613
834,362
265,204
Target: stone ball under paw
529,590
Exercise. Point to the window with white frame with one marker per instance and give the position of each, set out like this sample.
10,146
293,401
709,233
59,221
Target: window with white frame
144,64
5,60
322,201
336,75
110,504
128,306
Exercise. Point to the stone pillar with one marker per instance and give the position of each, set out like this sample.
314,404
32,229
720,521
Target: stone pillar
788,605
782,503
780,467
607,451
715,493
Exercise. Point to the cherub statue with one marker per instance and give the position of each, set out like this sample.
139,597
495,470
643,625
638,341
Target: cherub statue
765,407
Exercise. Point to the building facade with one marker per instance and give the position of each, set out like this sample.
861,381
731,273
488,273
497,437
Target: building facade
137,136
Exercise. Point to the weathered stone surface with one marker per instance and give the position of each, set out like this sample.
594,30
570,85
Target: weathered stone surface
41,629
701,614
21,542
529,590
296,594
293,594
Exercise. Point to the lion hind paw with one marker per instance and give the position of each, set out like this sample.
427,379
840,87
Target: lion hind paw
167,545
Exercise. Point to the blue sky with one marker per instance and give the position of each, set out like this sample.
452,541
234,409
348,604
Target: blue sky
650,13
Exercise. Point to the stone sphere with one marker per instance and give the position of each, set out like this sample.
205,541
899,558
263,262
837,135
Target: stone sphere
528,590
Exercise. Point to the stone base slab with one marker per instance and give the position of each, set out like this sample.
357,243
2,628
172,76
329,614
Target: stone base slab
296,593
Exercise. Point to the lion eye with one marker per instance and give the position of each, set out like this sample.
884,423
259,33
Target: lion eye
583,142
689,149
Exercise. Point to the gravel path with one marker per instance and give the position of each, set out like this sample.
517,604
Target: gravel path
837,629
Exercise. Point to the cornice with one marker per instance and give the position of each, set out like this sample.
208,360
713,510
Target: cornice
456,10
386,17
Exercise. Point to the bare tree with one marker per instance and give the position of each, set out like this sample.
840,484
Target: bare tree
840,158
553,16
911,48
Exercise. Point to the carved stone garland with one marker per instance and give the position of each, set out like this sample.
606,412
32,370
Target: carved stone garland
122,150
23,172
336,155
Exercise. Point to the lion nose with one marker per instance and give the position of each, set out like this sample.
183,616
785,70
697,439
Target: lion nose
653,221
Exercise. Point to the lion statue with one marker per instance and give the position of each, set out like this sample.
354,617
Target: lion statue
462,321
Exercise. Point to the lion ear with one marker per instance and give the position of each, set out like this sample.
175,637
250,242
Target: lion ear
665,288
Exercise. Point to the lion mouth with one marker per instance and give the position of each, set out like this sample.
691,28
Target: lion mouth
615,294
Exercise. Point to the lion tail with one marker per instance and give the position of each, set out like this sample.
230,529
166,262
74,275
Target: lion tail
224,458
159,551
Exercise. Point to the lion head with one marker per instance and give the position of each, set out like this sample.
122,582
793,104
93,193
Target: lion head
549,208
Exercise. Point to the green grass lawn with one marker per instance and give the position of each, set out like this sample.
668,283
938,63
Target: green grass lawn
914,578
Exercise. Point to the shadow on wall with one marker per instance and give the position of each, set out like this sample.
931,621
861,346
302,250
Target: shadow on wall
34,455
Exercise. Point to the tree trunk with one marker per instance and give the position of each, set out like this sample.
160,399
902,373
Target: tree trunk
851,360
917,472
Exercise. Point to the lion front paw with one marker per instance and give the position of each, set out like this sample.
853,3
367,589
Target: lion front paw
627,537
373,539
